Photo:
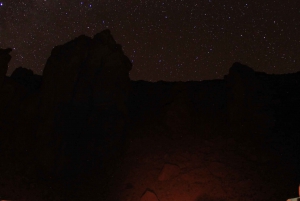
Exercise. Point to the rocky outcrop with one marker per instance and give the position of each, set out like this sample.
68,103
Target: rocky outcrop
247,100
83,93
75,116
11,93
240,83
75,111
4,60
27,78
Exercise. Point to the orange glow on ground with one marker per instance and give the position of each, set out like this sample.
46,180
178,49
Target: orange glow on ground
212,168
205,164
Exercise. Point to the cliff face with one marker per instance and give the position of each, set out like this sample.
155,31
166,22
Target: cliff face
248,100
80,98
82,81
75,116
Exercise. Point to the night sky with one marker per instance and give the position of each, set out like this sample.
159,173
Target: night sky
171,40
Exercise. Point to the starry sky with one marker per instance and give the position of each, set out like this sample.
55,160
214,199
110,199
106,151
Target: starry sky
170,40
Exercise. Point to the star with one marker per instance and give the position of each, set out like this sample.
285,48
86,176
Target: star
190,36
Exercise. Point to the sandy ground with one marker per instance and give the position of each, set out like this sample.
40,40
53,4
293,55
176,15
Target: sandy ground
208,163
220,165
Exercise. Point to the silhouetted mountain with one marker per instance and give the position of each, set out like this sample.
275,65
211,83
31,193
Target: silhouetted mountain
79,104
74,119
26,78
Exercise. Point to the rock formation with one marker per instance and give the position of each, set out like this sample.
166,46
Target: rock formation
83,93
74,118
241,86
76,110
26,78
247,100
4,60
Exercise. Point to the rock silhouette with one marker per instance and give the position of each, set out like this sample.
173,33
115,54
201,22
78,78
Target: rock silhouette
72,122
4,60
25,77
83,94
